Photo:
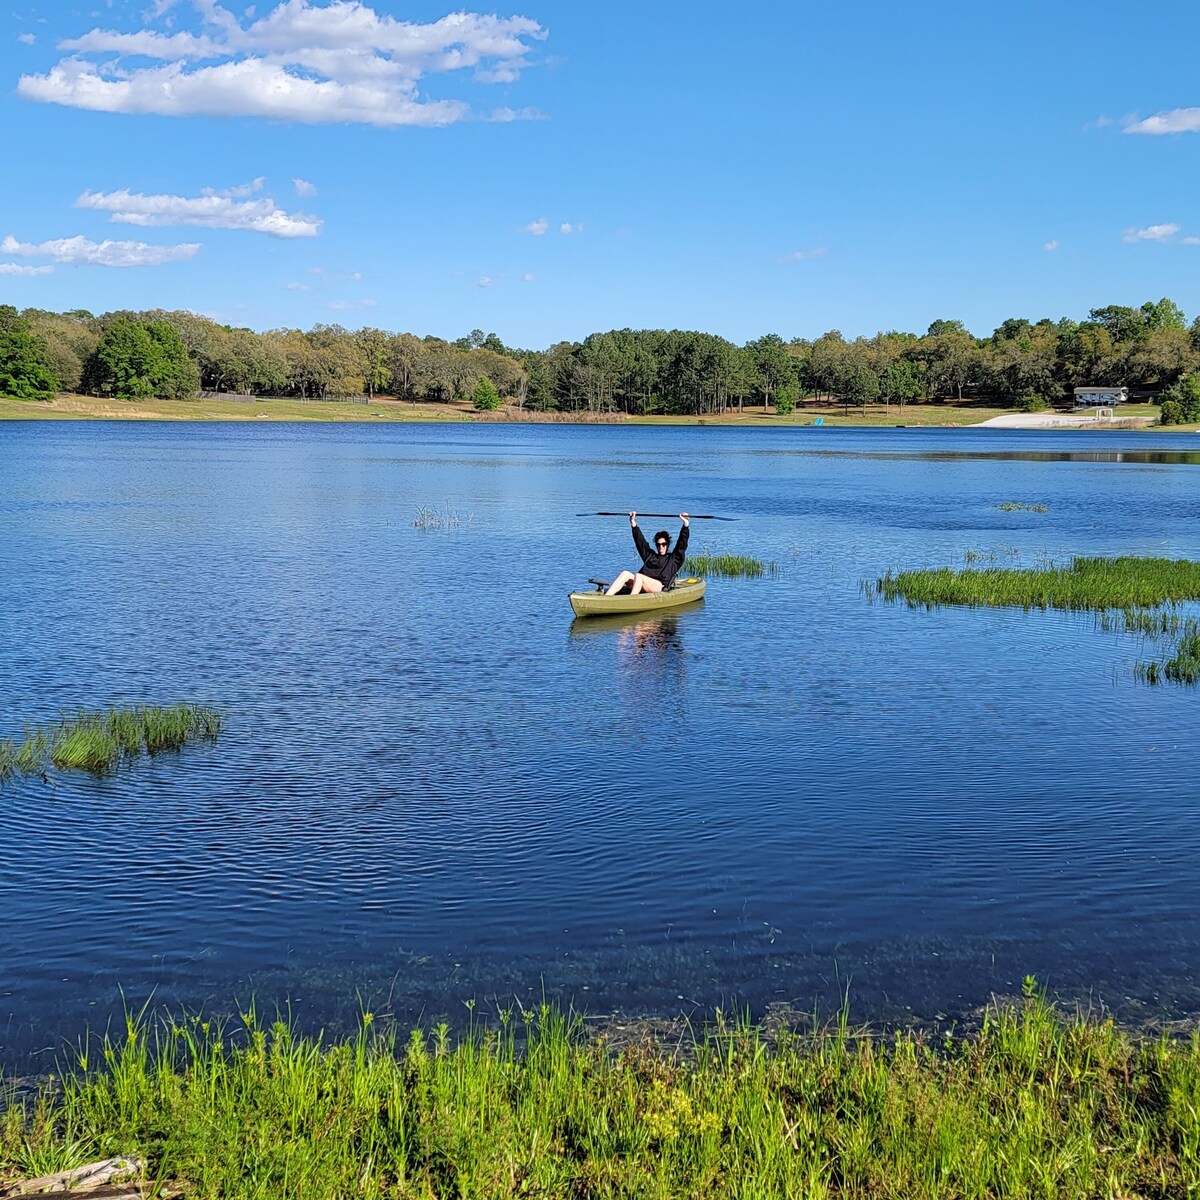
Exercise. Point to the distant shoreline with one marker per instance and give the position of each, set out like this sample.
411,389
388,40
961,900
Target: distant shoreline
67,407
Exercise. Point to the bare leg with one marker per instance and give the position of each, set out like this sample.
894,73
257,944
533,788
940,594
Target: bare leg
643,583
617,584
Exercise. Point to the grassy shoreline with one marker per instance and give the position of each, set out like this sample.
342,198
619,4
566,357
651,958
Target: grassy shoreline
84,408
1034,1103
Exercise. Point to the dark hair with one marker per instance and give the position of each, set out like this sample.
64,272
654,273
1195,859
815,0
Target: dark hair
661,535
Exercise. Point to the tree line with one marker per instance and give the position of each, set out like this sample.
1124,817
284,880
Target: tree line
1151,349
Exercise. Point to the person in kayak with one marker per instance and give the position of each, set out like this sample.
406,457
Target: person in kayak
660,564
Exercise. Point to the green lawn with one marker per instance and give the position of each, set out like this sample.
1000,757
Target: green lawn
68,407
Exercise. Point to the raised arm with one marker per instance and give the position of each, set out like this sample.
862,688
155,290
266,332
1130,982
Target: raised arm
639,538
682,544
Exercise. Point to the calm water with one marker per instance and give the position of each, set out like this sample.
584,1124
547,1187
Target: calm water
434,787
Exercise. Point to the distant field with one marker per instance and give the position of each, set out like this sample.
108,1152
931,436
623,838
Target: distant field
67,407
72,407
875,415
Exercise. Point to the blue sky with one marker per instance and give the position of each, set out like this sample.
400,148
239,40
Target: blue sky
555,168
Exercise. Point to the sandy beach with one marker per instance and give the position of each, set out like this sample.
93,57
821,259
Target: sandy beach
1061,420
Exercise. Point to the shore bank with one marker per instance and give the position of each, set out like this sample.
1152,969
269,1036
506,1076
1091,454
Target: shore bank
1034,1102
245,409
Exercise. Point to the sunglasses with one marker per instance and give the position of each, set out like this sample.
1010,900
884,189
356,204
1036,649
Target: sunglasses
662,542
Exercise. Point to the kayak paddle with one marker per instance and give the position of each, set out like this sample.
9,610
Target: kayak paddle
691,516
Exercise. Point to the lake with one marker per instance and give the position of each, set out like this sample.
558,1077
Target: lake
435,790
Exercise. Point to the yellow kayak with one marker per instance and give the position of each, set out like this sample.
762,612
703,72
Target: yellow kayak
597,604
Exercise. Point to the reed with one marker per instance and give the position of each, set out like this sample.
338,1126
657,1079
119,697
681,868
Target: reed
435,518
99,741
1152,623
1180,663
733,566
1035,1103
1084,583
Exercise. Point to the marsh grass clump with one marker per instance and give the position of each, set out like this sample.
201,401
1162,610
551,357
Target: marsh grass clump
1035,1103
1181,661
733,566
1150,623
99,741
1084,583
1021,506
435,518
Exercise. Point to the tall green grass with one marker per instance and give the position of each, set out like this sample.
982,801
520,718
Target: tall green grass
733,566
1181,661
99,741
1084,583
1033,1104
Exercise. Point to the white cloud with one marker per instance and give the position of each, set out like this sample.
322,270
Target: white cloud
343,305
27,39
22,269
298,287
484,281
536,228
337,62
504,115
212,210
527,278
1178,120
304,188
1152,233
242,189
567,227
1051,245
357,276
1190,240
80,251
804,255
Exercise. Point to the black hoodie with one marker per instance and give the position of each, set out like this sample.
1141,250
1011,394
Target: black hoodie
663,567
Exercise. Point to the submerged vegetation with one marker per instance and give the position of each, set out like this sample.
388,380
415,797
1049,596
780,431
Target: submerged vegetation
1021,506
99,741
1033,1104
1181,661
733,566
435,518
1084,583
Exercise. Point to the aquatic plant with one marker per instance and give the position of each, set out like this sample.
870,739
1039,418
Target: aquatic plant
1084,583
1033,1103
1180,663
433,518
1151,623
729,565
1021,506
98,741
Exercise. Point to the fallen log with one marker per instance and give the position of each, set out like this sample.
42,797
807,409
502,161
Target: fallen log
81,1181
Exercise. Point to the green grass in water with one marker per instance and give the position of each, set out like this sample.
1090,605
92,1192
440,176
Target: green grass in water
99,741
1181,663
1021,506
734,566
1085,583
1034,1104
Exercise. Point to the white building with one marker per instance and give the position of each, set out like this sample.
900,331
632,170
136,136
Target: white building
1100,397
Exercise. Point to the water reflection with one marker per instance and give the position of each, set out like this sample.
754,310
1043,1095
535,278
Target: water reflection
650,659
1174,458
